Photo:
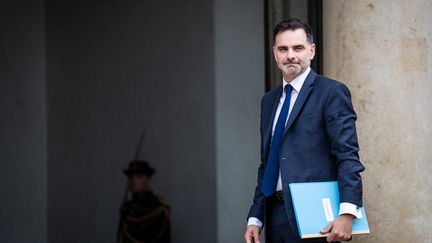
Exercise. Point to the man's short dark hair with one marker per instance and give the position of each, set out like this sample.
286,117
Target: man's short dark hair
293,24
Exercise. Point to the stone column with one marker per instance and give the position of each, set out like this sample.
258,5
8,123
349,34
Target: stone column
381,50
238,88
23,122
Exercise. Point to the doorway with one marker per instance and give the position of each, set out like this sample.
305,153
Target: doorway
309,11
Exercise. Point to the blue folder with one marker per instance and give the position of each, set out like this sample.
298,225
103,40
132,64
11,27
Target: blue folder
316,204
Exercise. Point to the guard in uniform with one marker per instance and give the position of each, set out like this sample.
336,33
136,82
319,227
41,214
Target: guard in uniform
144,216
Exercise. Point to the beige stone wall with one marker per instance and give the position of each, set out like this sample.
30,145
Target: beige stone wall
382,51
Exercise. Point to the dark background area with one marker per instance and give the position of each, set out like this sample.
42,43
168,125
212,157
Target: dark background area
80,81
115,69
23,123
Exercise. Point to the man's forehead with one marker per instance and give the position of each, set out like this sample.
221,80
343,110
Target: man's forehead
292,37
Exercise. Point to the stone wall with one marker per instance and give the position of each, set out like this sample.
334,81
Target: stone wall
381,50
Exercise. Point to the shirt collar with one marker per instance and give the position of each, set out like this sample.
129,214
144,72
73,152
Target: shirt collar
297,83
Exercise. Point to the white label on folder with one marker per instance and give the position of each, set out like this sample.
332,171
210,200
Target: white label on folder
359,214
328,211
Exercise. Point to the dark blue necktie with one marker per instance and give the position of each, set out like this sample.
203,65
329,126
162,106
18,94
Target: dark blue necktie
271,171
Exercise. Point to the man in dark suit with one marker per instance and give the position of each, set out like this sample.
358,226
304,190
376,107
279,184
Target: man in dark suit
308,134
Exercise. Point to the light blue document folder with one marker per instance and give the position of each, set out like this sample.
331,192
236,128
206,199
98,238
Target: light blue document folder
316,204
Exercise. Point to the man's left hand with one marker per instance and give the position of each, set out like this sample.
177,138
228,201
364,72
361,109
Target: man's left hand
340,229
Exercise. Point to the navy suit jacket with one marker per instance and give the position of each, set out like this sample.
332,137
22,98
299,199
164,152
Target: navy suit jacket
319,142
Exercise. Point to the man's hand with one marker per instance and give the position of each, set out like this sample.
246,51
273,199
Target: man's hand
252,234
340,229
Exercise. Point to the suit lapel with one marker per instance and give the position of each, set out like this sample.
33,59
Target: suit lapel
304,93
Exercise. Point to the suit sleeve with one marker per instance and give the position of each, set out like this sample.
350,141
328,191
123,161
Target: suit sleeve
257,208
340,120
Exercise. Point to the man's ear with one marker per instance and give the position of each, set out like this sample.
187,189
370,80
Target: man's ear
274,52
312,51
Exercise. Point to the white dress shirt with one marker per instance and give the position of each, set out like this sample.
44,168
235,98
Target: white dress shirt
297,83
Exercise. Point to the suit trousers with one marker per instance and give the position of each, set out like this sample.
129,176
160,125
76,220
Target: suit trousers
278,228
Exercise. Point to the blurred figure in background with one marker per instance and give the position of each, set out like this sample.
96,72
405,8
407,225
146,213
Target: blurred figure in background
145,217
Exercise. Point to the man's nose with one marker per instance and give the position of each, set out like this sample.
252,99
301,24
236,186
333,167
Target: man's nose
290,55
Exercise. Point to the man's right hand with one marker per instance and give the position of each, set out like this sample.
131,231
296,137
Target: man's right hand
252,234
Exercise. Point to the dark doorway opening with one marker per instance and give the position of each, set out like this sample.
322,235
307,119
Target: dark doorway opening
309,11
